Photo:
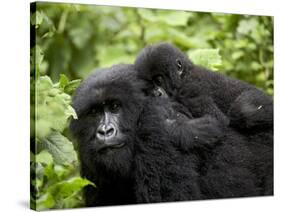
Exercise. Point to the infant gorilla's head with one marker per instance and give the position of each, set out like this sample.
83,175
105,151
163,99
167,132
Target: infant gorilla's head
108,104
162,66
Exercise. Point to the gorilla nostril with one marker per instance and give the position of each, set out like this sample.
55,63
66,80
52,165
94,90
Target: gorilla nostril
101,132
105,131
110,131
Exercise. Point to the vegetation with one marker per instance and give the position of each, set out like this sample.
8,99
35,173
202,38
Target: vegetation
72,40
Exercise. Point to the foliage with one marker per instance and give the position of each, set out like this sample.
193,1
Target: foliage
55,180
72,40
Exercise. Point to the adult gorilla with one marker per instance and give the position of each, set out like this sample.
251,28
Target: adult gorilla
138,149
108,104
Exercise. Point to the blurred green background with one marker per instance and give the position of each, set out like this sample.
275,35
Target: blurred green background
72,40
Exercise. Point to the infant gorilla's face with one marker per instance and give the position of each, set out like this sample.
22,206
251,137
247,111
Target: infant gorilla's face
163,67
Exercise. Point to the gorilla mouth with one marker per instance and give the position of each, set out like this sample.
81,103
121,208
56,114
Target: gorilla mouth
111,147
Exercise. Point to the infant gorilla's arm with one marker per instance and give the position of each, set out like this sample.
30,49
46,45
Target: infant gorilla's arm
163,65
199,104
167,152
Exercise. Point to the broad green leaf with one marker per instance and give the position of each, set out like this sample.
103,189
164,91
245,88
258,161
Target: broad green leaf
208,58
43,128
60,147
66,192
44,157
67,188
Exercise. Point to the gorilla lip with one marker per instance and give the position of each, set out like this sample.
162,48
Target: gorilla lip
111,146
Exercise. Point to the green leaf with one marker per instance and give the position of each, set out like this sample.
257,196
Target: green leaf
246,26
60,147
44,157
67,188
46,201
208,58
72,86
167,17
37,18
63,81
53,107
174,18
36,59
71,112
147,14
65,192
113,55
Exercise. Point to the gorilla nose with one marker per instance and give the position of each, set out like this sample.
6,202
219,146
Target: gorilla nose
105,131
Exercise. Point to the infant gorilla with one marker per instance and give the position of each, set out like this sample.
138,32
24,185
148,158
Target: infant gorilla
169,72
140,149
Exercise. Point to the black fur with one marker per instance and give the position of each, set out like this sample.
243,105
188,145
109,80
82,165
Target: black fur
169,155
110,171
190,159
246,106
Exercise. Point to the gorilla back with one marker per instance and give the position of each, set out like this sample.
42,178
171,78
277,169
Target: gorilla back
107,107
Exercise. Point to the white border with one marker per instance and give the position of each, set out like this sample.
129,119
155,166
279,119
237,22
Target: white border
14,112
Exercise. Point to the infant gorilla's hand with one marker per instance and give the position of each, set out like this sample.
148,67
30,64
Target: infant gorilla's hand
204,132
178,126
200,105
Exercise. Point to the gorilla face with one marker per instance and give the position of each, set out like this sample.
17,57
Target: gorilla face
107,136
163,67
108,107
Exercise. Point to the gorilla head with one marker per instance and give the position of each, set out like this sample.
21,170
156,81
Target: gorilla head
107,107
163,66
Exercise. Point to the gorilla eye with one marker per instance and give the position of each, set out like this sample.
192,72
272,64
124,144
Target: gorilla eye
114,107
158,80
94,111
179,64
